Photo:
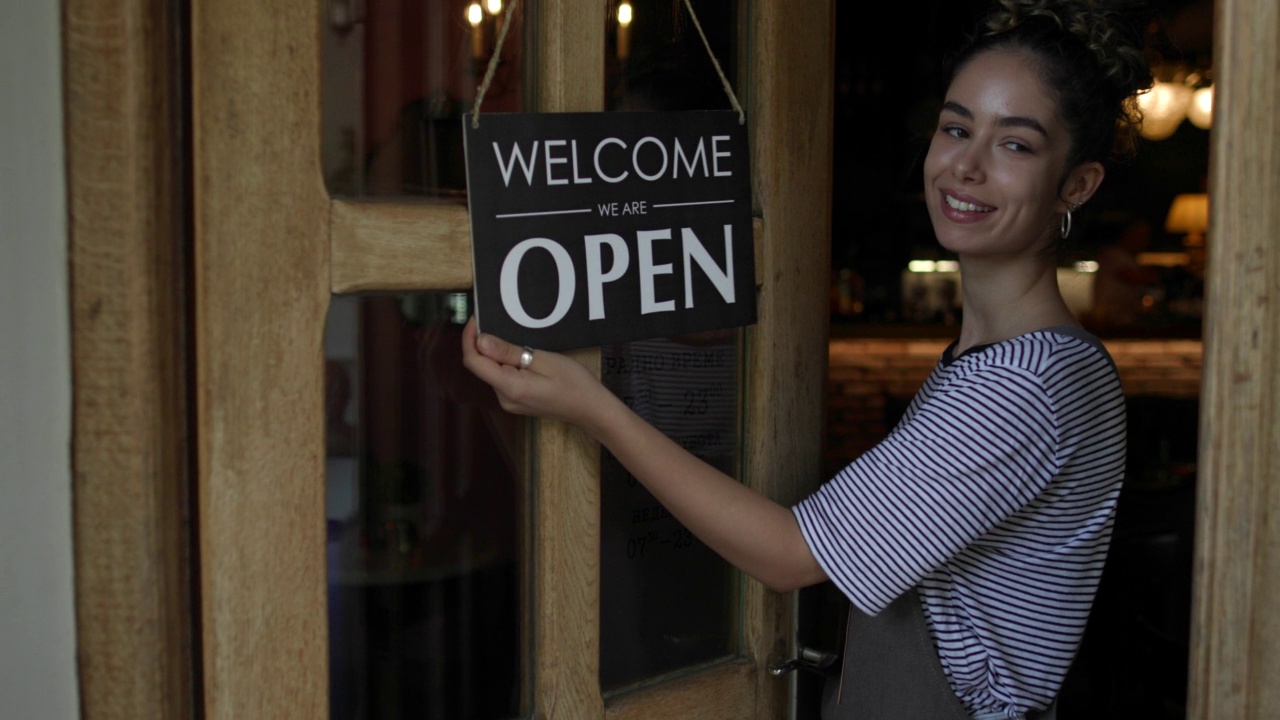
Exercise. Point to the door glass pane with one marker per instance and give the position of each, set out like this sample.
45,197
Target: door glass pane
657,61
667,602
398,74
425,507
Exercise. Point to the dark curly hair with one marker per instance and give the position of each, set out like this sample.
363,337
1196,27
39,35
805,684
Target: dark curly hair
1091,58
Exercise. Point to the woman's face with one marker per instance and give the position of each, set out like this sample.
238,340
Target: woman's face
995,163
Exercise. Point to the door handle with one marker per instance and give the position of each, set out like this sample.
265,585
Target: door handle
809,659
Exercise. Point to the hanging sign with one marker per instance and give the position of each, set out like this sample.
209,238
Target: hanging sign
594,228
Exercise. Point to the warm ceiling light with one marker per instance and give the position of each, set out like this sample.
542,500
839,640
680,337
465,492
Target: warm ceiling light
1164,107
495,7
475,14
1200,113
624,14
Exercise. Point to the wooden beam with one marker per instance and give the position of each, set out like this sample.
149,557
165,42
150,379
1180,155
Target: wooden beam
726,692
566,513
261,295
790,117
133,608
399,246
1235,623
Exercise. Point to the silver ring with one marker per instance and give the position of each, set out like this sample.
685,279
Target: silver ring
526,357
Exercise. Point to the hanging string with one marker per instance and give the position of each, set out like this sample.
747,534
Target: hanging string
728,89
502,36
493,64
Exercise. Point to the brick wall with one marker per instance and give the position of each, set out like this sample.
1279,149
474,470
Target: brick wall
869,382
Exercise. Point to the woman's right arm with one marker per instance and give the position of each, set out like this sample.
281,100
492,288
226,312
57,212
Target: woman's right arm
754,533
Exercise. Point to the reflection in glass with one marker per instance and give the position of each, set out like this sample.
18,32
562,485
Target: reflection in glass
667,602
398,74
666,599
656,61
424,507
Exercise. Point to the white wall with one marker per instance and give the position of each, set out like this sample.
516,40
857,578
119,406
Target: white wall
37,622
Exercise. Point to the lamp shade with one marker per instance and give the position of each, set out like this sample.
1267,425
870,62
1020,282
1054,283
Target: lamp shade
1189,215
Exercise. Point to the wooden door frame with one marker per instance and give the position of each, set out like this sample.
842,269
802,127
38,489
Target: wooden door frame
123,134
129,451
1235,632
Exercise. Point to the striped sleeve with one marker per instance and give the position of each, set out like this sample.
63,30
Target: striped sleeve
981,448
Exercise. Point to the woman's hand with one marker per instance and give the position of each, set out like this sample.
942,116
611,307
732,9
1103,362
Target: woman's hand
552,386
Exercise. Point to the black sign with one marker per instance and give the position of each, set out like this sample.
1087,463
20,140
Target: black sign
593,228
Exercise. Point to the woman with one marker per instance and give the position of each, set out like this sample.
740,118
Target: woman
971,540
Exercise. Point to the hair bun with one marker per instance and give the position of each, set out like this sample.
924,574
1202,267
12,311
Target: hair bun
1112,31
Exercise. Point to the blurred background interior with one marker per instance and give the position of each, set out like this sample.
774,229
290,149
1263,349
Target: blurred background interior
425,497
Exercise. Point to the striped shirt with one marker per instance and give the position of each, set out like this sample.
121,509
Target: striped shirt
995,495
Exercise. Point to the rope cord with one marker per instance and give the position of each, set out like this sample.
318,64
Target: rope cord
728,89
502,36
493,64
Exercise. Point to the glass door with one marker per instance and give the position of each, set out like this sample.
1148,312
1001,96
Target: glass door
375,539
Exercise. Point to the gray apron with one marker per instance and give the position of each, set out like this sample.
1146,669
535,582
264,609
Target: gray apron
892,672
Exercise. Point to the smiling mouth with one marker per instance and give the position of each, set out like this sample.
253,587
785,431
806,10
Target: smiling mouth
962,206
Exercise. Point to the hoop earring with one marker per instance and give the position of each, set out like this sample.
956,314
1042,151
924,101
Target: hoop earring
1065,228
